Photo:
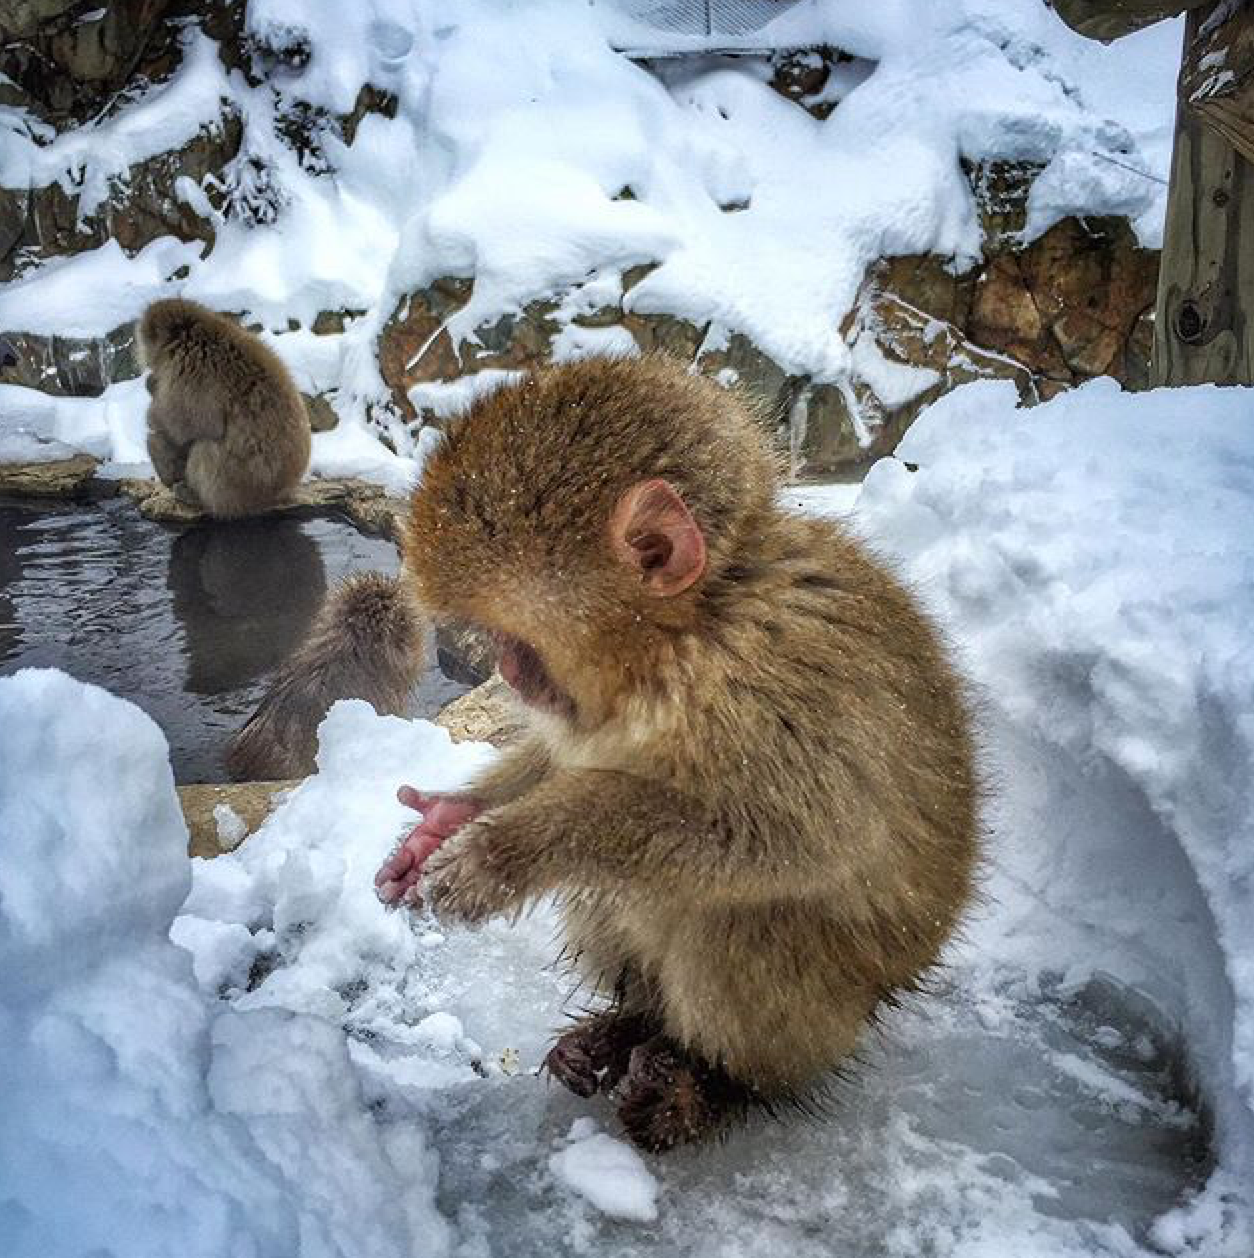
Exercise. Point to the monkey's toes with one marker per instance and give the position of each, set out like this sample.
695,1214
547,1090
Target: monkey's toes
662,1100
593,1055
571,1062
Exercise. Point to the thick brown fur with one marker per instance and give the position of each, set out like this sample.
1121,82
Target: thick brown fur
759,807
227,428
366,643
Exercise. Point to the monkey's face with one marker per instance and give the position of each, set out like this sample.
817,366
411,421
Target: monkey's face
576,619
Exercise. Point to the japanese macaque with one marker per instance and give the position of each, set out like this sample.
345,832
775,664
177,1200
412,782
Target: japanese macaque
748,779
366,643
227,429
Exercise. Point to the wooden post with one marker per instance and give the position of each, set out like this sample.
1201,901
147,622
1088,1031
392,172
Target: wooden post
1204,316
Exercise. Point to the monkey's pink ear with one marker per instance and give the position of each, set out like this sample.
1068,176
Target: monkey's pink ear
653,531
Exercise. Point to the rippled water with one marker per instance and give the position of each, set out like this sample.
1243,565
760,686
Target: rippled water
186,623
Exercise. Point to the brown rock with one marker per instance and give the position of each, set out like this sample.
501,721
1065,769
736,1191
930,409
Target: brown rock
367,505
464,654
322,416
72,366
486,715
822,439
252,802
63,478
413,345
1001,189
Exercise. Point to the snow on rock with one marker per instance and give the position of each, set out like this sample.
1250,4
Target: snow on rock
89,294
1094,560
606,1172
570,162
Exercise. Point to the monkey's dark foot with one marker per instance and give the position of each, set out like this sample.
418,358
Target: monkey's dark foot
669,1098
593,1055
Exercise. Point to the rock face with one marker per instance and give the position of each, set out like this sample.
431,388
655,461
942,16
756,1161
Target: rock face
1075,303
486,715
250,802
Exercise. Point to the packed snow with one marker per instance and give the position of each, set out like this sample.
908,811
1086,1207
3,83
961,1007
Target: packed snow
251,1055
531,152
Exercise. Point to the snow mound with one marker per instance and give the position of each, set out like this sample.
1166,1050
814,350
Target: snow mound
140,1118
1094,559
607,1172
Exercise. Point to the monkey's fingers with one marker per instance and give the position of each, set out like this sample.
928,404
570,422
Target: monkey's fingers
420,801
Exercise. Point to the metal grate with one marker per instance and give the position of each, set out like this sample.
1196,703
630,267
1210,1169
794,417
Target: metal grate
727,18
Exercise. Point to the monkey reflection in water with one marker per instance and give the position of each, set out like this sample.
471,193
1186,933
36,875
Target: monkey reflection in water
244,593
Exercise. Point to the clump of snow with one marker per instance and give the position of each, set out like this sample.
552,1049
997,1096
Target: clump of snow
606,1172
230,826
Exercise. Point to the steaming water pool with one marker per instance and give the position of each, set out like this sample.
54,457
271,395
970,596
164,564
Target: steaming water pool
188,623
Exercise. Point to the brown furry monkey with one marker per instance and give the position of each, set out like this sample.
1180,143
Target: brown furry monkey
367,643
227,429
749,780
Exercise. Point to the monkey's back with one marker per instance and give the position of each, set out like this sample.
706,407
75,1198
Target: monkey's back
206,364
366,643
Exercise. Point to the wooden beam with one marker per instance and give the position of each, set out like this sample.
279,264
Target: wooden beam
1217,79
1204,321
1111,19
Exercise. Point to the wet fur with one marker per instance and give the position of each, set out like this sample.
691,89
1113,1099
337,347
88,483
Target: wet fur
760,818
367,643
227,428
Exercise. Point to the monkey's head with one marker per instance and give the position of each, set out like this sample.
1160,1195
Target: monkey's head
581,516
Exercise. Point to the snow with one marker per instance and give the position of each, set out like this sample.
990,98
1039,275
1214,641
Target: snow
308,1065
761,218
1094,557
608,1172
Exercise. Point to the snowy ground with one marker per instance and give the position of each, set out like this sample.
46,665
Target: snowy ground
517,129
291,1069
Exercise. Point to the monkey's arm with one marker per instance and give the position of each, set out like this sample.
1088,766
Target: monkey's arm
169,459
516,771
603,829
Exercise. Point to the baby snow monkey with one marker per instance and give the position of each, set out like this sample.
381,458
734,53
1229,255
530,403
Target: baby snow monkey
748,779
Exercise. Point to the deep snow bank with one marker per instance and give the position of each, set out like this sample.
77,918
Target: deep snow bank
137,1117
1094,560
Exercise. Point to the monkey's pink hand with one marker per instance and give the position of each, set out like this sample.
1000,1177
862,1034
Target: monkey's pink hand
442,816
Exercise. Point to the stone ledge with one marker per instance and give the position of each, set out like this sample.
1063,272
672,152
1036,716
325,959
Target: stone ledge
252,802
370,507
60,478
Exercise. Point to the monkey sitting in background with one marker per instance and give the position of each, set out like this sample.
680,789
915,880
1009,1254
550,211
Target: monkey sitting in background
227,428
366,643
749,778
